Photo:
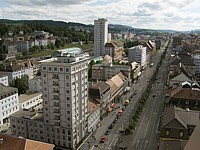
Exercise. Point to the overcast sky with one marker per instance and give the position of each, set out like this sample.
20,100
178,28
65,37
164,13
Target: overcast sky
150,14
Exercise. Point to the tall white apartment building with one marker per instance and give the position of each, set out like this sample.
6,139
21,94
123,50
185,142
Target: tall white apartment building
65,104
100,36
65,94
137,54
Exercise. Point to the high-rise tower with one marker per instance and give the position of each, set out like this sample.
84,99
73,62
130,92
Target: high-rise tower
100,36
64,83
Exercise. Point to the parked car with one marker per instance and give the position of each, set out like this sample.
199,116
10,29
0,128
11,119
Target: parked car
111,126
103,139
107,132
154,95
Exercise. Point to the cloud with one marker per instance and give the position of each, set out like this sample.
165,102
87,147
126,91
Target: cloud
155,14
47,2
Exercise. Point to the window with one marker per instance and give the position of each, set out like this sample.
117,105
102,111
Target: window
55,69
68,112
181,134
44,75
69,132
44,68
68,98
67,91
69,138
63,131
186,102
67,84
68,105
167,132
49,68
67,77
61,69
67,69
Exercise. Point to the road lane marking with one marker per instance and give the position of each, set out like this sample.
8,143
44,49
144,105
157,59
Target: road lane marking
146,144
112,141
137,143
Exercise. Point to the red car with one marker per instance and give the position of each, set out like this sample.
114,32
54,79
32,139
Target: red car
103,139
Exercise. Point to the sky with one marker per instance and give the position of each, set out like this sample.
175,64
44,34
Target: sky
178,15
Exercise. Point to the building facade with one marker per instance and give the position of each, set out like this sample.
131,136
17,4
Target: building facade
137,54
3,79
30,100
35,85
9,102
100,36
65,104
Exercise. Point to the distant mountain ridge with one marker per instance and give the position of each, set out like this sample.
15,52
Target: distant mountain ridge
112,27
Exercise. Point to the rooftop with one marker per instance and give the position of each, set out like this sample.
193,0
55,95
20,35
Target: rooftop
27,96
193,142
30,115
15,143
2,74
6,89
184,117
92,105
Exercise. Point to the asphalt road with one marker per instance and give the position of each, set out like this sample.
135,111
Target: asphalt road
123,122
147,133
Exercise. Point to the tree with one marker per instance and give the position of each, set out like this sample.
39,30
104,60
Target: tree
90,68
2,68
21,84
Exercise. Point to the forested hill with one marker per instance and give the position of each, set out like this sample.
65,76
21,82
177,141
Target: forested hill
70,25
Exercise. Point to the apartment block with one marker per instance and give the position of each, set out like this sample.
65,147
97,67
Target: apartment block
137,54
9,102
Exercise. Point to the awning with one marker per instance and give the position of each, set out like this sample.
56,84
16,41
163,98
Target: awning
109,109
126,101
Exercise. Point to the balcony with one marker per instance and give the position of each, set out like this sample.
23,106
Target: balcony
56,105
57,118
55,91
57,112
55,84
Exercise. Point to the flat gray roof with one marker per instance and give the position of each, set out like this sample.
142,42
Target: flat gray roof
27,96
29,115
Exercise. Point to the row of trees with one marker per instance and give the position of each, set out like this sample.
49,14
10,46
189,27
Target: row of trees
61,31
134,120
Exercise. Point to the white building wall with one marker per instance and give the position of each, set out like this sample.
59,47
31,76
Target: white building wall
65,96
4,80
197,63
138,54
8,106
100,36
32,102
18,74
